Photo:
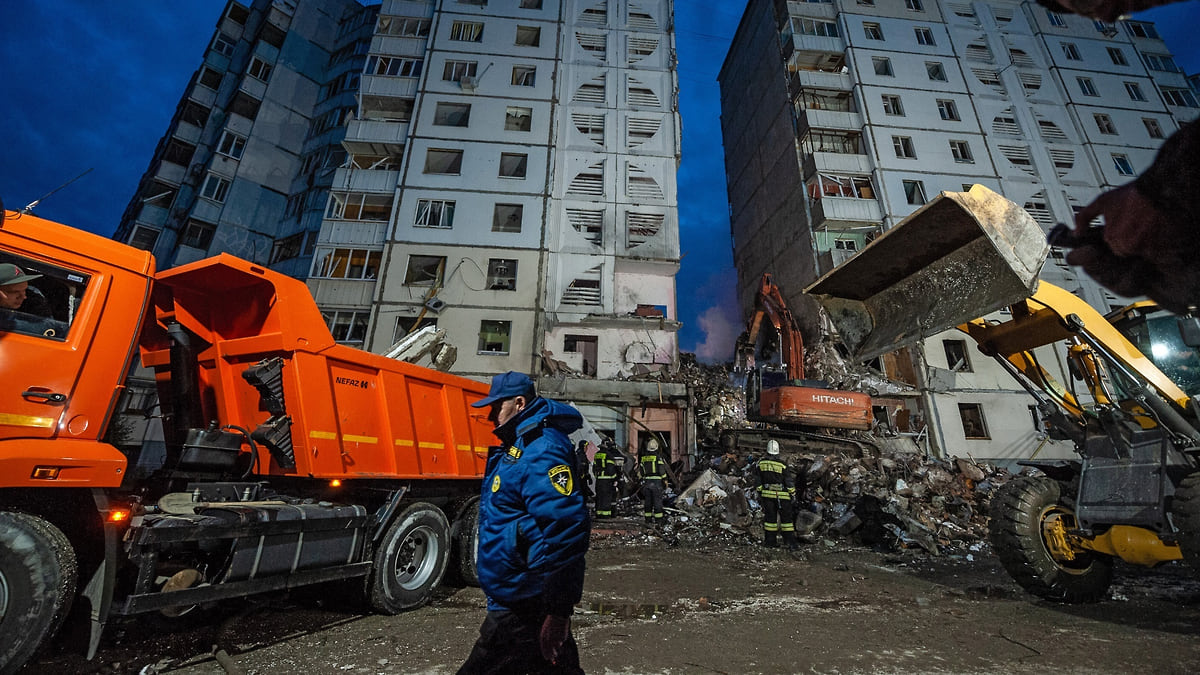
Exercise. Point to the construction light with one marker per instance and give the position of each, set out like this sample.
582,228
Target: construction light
118,515
335,483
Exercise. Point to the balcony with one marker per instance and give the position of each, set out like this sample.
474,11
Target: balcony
836,162
830,119
375,137
379,85
843,213
821,79
155,216
342,292
187,131
364,180
397,44
170,172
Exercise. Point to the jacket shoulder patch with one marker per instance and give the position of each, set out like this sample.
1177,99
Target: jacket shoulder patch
560,478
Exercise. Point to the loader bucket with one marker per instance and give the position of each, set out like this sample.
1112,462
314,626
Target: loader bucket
959,257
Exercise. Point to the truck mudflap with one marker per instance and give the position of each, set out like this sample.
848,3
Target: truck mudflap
959,257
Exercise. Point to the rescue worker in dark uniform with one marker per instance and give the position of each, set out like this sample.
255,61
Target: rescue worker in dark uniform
605,469
533,534
654,473
776,492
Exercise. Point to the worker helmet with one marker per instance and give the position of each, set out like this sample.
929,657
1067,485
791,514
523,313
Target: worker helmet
772,447
652,445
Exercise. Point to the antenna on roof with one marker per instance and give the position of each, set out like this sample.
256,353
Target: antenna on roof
29,207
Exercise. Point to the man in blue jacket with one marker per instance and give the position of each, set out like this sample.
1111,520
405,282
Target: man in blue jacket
533,534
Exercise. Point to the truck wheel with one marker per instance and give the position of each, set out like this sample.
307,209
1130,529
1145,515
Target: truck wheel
37,584
466,544
1019,511
1185,507
410,560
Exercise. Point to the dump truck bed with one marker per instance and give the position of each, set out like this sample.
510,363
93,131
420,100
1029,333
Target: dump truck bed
351,413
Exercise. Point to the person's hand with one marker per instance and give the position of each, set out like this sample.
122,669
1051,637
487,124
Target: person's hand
1133,227
554,633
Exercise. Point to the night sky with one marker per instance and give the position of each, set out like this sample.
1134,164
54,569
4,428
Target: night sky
93,85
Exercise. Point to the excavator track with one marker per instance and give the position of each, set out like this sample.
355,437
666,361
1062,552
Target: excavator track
753,441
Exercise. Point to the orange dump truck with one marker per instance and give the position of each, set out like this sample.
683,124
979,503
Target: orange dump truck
289,459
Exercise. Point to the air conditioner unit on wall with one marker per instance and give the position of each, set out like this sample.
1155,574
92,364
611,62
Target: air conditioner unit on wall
468,83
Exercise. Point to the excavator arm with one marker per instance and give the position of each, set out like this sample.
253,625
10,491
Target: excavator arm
770,305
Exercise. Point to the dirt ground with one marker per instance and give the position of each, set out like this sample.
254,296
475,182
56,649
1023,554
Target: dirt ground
722,606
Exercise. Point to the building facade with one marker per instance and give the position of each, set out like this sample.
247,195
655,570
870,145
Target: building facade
503,170
842,117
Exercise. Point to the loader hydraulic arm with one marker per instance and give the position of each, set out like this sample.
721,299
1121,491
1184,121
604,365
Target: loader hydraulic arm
769,304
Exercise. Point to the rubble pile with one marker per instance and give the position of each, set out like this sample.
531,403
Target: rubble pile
889,502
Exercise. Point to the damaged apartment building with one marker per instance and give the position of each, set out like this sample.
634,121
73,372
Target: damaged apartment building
841,117
503,170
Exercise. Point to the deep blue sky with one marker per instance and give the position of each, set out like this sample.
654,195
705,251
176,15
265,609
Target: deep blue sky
94,84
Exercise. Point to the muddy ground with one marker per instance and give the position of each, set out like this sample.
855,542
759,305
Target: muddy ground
721,606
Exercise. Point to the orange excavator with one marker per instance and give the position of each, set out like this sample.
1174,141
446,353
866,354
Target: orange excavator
778,393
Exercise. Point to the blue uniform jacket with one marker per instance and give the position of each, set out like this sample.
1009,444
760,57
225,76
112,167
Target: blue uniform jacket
533,523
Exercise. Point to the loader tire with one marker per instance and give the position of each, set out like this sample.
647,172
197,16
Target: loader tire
411,559
37,583
1185,507
1017,513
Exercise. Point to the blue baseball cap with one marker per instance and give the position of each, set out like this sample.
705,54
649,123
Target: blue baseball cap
507,385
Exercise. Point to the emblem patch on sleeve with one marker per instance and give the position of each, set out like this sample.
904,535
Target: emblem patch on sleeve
496,484
560,478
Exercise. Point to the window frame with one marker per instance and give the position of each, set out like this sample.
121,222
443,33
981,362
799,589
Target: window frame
936,68
961,151
496,327
1086,86
1122,164
1104,124
519,163
500,221
872,30
451,114
924,36
219,191
454,157
435,214
524,76
914,192
892,105
236,144
882,63
903,147
948,110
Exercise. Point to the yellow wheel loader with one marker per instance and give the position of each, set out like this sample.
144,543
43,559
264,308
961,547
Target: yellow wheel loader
1133,493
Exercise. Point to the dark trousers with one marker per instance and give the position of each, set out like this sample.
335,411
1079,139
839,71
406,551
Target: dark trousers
605,489
508,644
778,517
652,500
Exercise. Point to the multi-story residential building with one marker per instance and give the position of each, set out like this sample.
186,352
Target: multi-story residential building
842,117
501,169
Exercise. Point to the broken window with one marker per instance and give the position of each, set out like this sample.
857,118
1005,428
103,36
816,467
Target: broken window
507,217
215,188
883,66
347,326
531,4
287,248
502,274
1121,162
443,161
193,113
914,192
961,151
359,206
272,34
494,336
903,146
158,193
956,356
838,101
892,105
210,78
466,31
437,213
1135,92
452,115
1152,127
237,13
179,152
935,70
873,31
845,143
830,185
245,105
947,109
346,263
224,44
1183,98
513,165
973,425
425,270
231,144
144,238
1104,123
585,345
387,108
1071,52
815,27
1086,86
455,71
528,36
394,66
524,76
198,234
518,119
259,69
403,25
